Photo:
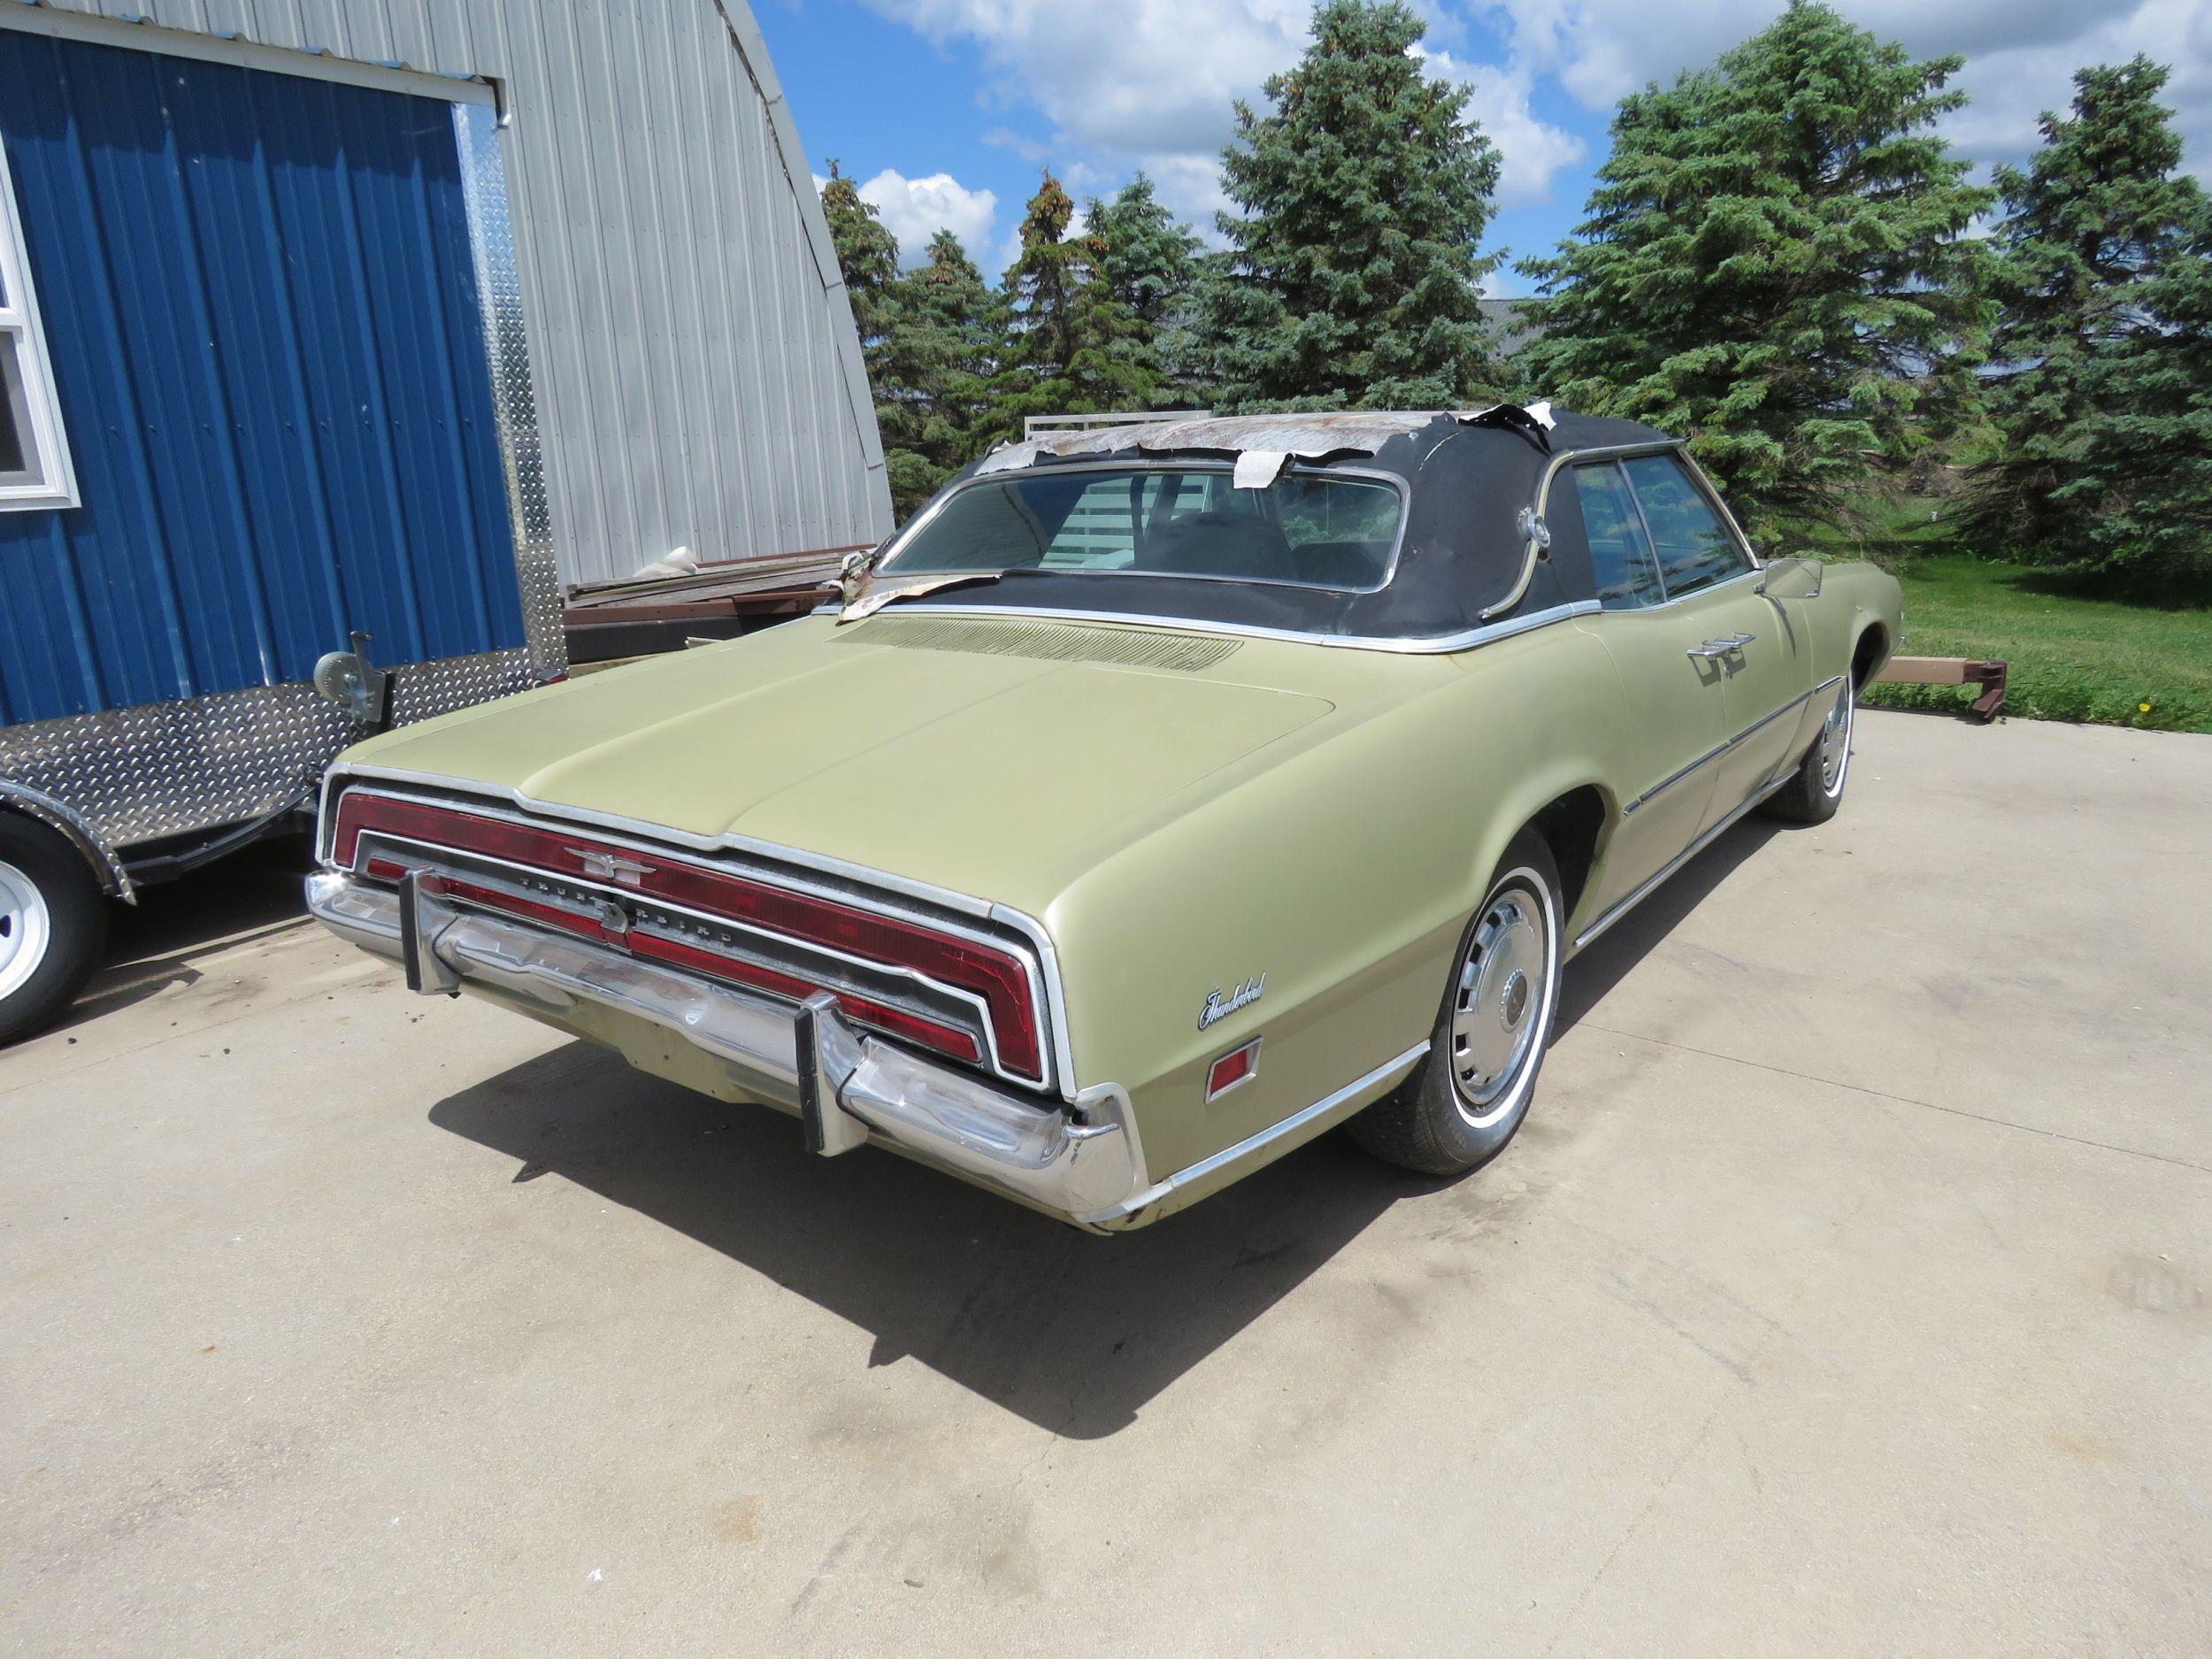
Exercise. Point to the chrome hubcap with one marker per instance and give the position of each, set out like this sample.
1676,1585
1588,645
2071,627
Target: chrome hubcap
1835,742
25,929
1501,982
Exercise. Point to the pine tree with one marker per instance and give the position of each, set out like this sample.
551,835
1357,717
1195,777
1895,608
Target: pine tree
868,257
948,340
1353,279
1071,347
2104,389
1149,260
1773,266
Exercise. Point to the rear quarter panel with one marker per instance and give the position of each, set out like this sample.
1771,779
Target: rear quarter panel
1345,873
1853,599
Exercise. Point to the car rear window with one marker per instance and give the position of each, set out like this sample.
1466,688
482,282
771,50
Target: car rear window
1312,528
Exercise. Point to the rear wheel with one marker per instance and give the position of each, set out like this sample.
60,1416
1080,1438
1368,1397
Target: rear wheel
53,922
1459,1109
1815,788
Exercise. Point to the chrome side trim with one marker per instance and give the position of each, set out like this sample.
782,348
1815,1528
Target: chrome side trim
1388,1072
1763,721
1677,775
1430,645
649,838
1679,859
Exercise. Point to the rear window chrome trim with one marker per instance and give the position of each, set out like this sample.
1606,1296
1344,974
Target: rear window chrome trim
1364,474
1042,965
1400,645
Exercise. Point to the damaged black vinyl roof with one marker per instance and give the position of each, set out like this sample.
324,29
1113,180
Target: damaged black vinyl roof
1469,477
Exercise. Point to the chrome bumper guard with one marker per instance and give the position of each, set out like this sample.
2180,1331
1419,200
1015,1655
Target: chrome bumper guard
1082,1161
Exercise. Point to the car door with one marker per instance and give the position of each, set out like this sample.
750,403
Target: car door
1755,648
1673,721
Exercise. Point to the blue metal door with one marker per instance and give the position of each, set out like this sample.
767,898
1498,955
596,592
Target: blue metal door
261,305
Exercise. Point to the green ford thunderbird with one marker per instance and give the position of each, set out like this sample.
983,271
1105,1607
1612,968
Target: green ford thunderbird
1159,797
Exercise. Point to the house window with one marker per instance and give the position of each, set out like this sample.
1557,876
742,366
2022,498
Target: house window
34,469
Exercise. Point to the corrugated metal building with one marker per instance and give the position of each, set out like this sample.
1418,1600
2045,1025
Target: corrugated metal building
329,317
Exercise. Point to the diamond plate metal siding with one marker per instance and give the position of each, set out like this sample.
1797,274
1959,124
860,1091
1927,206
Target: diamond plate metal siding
132,775
261,297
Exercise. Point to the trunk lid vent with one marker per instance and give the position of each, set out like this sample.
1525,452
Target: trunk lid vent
1047,641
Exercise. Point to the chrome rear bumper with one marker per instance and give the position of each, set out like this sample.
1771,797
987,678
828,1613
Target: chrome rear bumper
1082,1161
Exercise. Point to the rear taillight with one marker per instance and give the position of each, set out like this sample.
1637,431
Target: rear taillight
999,978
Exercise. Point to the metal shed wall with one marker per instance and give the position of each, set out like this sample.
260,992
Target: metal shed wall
275,438
699,380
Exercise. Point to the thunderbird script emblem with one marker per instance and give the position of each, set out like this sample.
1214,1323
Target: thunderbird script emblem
1218,1007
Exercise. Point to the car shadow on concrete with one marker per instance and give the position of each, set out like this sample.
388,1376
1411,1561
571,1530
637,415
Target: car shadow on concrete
1609,958
1073,1333
154,944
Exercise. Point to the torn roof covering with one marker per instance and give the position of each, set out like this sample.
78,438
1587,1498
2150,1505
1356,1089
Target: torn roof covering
1463,558
1308,437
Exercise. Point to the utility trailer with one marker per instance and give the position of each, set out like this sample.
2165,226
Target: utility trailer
266,421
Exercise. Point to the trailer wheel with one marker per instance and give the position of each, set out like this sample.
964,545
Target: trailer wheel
53,923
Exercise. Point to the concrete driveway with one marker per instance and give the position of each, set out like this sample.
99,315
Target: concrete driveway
1846,1294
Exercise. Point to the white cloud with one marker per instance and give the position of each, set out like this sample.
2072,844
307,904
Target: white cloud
914,209
2020,54
1151,83
2012,86
1530,151
1147,75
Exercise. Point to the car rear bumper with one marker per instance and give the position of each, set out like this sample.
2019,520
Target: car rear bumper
1082,1162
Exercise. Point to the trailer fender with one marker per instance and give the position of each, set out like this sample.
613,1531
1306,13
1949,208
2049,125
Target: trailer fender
107,869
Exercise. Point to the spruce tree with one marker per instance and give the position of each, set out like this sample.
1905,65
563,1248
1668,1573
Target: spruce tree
1774,266
2103,389
1071,347
1149,260
951,326
868,258
1353,279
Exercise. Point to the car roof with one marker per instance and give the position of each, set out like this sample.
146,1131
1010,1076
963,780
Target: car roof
1314,436
1467,560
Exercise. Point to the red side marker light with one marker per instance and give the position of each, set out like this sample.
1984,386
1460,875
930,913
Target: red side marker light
1239,1065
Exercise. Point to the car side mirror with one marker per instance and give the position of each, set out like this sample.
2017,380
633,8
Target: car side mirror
1791,577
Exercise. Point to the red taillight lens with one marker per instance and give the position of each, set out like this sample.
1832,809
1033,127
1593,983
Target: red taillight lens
998,978
1239,1065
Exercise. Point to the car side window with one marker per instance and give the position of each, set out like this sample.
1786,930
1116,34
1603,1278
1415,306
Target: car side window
1695,550
1620,553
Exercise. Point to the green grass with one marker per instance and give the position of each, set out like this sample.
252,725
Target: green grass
2075,654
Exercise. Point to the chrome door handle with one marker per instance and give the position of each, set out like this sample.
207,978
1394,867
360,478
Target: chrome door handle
1728,647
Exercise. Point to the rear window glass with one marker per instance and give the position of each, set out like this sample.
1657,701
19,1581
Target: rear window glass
1310,529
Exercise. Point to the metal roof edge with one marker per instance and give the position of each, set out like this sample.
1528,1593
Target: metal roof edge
752,51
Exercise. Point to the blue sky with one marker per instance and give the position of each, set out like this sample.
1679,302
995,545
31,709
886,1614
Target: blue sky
944,109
